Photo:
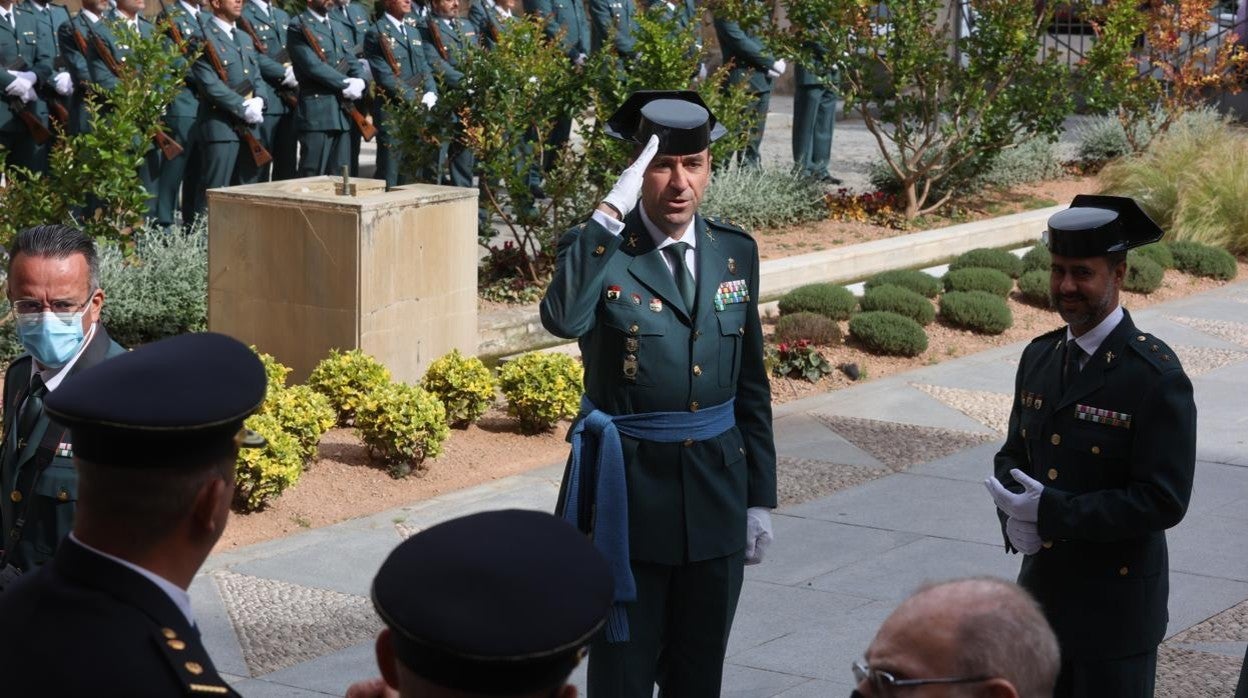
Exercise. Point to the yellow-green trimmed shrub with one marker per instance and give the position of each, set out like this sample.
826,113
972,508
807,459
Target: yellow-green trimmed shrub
888,333
402,425
920,282
347,378
979,279
1037,259
1143,274
829,300
275,372
899,300
987,258
304,414
264,473
815,328
1034,285
1159,252
541,389
1203,260
463,384
980,311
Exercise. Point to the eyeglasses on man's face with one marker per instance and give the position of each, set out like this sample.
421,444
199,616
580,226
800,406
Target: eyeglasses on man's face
884,684
27,306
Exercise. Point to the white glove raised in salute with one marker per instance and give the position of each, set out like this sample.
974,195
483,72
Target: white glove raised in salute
1024,506
354,88
623,196
757,534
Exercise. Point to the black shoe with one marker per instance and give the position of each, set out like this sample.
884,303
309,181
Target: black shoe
537,192
826,178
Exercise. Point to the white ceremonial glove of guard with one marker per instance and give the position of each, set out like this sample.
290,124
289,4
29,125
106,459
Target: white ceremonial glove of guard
289,78
25,75
1023,535
757,534
354,88
63,83
1024,506
701,71
777,69
623,196
20,86
366,69
253,110
579,61
429,99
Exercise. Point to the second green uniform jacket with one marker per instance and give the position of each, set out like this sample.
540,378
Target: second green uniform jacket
446,39
749,58
566,22
613,24
645,352
222,104
21,43
1116,453
320,82
78,63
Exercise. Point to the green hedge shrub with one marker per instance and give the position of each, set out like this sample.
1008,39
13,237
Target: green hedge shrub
899,300
1037,259
813,327
160,291
402,425
986,258
1034,286
979,279
264,473
1143,274
1159,252
755,197
347,378
920,282
888,333
463,384
541,389
1203,260
980,311
829,300
304,414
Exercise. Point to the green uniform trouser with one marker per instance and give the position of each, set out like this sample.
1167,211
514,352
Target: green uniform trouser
20,150
1127,677
389,156
752,155
814,119
149,173
181,173
354,138
278,134
324,152
678,631
226,163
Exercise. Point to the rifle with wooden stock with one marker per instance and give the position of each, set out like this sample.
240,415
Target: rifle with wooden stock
387,52
168,147
284,93
246,89
56,108
38,132
367,130
436,35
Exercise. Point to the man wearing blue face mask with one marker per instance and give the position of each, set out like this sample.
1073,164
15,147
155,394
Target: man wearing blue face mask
54,288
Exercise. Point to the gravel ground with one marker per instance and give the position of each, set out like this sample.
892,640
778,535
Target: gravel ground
900,446
1235,332
1198,361
801,480
990,409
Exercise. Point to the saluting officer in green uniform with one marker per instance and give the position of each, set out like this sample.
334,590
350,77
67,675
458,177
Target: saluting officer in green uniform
54,286
673,465
19,43
613,23
814,117
183,173
78,60
278,132
1098,460
323,127
397,37
447,37
228,105
754,66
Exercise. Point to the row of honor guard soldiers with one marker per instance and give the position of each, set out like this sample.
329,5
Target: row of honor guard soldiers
280,96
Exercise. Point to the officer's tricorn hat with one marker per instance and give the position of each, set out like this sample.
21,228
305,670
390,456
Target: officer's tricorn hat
1097,225
681,120
496,603
178,402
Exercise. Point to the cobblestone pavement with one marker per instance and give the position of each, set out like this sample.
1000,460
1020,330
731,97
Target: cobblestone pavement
880,488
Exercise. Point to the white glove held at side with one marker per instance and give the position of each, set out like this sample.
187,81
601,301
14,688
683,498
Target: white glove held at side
63,83
354,88
580,60
623,196
1023,506
757,534
701,72
20,85
253,110
429,99
289,78
1023,535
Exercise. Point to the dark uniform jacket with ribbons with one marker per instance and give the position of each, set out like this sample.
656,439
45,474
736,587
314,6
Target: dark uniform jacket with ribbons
20,41
644,351
320,82
452,34
270,29
567,22
111,631
1116,452
49,511
222,105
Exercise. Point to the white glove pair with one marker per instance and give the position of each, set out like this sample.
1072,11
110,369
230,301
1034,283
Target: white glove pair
253,110
777,69
289,78
63,83
429,99
1023,510
758,534
23,85
623,196
354,88
366,69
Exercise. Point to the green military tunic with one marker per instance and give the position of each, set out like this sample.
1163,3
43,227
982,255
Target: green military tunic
814,116
645,351
446,40
20,42
322,125
414,79
278,133
614,22
50,17
181,176
352,19
750,62
77,62
567,23
489,21
1116,453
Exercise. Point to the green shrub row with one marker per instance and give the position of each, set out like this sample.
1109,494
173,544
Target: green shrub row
1034,286
979,279
980,311
817,329
986,258
1204,260
830,300
888,333
920,282
902,301
1143,274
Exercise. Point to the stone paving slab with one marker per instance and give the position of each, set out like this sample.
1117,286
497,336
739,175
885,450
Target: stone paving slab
829,546
803,436
892,575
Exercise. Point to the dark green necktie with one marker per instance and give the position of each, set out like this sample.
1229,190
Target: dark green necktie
31,409
1074,354
675,253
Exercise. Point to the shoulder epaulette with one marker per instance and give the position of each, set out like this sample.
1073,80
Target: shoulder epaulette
1154,351
190,663
725,224
1059,333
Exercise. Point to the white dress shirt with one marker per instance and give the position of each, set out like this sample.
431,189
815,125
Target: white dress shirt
1091,340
